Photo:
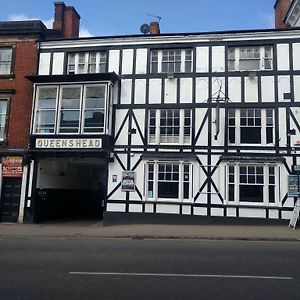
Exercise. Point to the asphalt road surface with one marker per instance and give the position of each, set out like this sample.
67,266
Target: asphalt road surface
91,268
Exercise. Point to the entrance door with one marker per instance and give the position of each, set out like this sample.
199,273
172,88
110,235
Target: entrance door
10,200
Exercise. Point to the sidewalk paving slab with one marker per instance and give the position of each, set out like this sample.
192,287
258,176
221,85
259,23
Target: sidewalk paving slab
96,229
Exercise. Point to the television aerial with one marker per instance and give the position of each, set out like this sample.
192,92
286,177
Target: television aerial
158,17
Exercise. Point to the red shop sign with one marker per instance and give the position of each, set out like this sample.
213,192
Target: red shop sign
12,166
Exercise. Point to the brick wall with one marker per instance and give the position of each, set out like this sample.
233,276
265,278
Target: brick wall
20,102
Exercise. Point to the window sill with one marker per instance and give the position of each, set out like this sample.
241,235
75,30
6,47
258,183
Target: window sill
7,76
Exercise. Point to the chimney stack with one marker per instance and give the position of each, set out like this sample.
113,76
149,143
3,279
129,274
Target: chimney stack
67,20
154,28
281,8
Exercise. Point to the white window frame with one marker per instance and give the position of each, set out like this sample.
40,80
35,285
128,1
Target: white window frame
264,126
265,53
181,181
5,117
6,64
81,111
182,140
86,64
266,184
183,60
35,123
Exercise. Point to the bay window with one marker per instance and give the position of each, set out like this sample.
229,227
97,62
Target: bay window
70,109
249,183
169,181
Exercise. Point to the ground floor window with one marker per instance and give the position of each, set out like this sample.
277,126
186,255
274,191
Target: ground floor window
168,181
252,183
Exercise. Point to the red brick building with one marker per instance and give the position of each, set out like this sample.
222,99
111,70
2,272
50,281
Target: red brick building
18,59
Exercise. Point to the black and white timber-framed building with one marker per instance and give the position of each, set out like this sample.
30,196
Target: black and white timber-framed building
203,124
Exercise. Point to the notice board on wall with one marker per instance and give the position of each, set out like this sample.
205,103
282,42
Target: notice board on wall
12,166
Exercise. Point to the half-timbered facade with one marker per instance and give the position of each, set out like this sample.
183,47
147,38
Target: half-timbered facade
203,124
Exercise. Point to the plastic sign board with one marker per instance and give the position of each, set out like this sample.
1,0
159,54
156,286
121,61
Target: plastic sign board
12,166
295,214
293,186
67,143
128,181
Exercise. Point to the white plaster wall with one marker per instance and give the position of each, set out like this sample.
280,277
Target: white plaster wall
113,61
200,211
202,59
170,91
141,61
218,59
295,139
44,65
283,55
267,89
201,89
251,89
136,208
217,212
140,91
296,55
154,91
199,115
234,89
116,207
127,61
123,137
220,138
140,116
58,63
186,86
297,88
217,84
167,208
252,213
126,87
282,127
283,87
149,208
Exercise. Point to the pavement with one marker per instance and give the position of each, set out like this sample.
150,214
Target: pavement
96,229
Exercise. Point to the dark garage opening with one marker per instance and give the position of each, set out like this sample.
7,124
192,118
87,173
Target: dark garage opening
70,189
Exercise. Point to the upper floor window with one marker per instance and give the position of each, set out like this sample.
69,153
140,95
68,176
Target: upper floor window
70,109
87,62
250,58
170,126
6,61
251,126
3,118
171,61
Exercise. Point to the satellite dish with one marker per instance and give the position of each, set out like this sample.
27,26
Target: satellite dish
145,28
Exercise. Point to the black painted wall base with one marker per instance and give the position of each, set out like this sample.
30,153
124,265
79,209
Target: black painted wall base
119,218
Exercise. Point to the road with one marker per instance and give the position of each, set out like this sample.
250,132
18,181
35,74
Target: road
93,268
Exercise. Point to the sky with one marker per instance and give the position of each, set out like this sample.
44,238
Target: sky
125,17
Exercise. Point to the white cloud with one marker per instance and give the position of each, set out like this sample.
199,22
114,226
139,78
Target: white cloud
21,17
84,32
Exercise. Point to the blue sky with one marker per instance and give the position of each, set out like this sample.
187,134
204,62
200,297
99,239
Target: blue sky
118,17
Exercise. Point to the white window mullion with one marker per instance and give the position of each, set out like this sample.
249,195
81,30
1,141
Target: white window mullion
159,61
263,127
180,181
236,183
155,181
238,126
181,126
266,185
182,61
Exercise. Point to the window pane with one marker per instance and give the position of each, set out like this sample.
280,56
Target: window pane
5,61
168,190
272,194
251,193
93,119
251,135
69,119
95,97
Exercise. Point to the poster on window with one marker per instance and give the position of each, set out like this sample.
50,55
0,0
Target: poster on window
128,181
293,186
12,166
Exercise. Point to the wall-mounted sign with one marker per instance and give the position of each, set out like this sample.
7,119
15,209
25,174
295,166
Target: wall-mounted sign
12,166
128,181
114,178
293,186
87,143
